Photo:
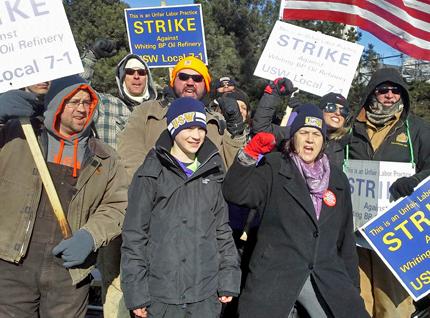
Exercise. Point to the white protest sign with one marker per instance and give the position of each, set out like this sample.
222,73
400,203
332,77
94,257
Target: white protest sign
370,182
36,43
314,62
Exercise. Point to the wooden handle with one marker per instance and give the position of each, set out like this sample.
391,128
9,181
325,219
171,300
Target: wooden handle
46,178
284,121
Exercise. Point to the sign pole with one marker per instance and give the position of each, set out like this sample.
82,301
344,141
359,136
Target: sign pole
46,178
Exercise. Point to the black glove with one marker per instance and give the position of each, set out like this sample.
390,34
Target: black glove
76,249
103,48
294,102
18,103
233,117
403,187
281,86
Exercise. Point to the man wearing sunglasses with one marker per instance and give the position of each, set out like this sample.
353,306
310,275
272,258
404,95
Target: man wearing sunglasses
225,85
135,86
190,78
385,130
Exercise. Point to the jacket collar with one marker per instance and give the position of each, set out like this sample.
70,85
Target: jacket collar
207,152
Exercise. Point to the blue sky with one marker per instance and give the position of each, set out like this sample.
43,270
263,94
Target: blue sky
380,47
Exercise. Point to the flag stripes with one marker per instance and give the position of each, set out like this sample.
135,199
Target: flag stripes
404,25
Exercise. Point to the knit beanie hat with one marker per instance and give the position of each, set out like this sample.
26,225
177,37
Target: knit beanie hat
195,64
185,112
308,115
333,98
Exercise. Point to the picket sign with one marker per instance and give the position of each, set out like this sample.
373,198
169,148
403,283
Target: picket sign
370,181
46,177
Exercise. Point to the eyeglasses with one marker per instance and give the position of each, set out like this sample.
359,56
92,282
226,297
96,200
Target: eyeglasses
185,77
74,103
332,108
385,89
140,71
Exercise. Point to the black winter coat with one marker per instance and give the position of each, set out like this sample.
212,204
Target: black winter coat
292,244
177,245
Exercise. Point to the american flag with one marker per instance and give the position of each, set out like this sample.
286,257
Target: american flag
402,24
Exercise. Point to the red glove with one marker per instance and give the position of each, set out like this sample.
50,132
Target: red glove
260,144
281,86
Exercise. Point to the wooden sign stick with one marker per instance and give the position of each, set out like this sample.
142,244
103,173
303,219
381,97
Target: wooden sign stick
288,111
46,177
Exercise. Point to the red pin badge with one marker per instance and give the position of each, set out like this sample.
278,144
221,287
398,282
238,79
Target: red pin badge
329,198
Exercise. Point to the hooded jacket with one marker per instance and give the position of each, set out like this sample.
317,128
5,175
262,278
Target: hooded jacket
120,74
114,112
99,203
396,145
64,150
177,244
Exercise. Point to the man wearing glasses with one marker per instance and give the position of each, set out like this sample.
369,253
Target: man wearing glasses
385,130
41,273
190,78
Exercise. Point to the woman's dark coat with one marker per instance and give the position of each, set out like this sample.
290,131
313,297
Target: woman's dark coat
292,244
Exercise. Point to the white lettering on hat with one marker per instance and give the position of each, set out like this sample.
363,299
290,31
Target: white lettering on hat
186,118
313,122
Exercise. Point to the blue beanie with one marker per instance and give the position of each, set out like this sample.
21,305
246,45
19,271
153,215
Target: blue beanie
185,112
308,115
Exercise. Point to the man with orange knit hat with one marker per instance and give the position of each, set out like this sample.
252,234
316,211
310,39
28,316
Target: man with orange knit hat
190,78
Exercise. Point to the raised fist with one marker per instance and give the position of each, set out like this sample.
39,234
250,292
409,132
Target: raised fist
103,48
231,112
281,86
260,144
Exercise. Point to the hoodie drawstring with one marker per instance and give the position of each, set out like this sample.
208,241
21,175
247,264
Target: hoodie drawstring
57,158
75,158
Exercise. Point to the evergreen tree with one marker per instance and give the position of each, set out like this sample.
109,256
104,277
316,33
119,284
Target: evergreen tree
236,33
92,19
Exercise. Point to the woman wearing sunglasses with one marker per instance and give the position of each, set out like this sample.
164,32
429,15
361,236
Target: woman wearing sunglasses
336,112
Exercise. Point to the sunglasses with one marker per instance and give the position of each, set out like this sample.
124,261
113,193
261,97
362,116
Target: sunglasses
226,84
332,108
185,77
384,90
140,71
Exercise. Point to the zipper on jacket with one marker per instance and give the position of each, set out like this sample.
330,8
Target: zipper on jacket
21,252
202,165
